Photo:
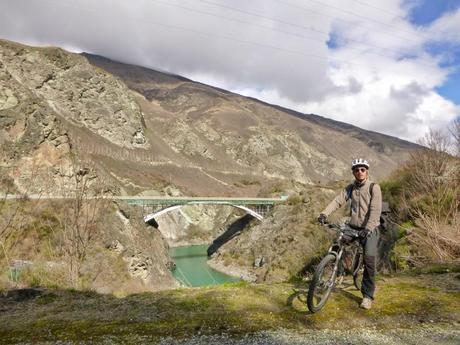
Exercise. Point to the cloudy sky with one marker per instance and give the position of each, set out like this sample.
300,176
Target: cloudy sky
391,66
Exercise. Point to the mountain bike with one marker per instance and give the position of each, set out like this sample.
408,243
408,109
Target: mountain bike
344,256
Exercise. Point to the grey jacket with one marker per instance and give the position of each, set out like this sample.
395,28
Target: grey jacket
365,213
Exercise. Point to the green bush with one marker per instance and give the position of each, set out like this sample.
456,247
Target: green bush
295,200
392,192
401,255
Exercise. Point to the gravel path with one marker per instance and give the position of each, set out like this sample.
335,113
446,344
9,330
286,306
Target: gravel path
425,335
422,335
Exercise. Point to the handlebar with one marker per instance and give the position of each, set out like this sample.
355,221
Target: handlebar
343,229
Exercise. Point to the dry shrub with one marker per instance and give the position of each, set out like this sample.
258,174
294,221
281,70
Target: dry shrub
440,238
431,194
44,274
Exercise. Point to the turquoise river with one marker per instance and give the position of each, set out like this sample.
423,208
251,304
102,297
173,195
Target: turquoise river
192,268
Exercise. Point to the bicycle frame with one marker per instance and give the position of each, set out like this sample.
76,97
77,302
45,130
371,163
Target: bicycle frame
338,246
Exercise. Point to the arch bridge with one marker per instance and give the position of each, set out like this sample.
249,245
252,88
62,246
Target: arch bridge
156,206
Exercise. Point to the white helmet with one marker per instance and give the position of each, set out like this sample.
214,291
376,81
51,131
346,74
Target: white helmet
359,162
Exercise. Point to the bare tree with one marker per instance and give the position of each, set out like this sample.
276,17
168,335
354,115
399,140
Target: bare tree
80,219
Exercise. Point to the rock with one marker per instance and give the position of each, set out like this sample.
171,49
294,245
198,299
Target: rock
139,138
138,266
116,246
171,265
259,262
7,98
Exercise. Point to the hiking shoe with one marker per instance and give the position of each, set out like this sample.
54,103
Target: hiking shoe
366,303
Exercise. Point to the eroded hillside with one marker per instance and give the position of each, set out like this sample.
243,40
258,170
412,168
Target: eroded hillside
226,143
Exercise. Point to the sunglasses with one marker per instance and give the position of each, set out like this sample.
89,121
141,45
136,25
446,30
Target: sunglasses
359,170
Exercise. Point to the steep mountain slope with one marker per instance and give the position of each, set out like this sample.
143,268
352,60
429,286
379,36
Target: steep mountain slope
225,140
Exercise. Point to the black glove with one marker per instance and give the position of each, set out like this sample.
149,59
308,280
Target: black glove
363,234
322,219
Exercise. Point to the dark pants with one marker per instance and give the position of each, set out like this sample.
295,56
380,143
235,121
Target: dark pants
370,263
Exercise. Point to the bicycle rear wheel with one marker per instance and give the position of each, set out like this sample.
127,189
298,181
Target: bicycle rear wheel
322,283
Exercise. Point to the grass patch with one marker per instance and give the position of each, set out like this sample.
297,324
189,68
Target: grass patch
437,269
232,308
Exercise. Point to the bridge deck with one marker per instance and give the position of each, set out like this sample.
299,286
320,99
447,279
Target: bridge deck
161,200
155,200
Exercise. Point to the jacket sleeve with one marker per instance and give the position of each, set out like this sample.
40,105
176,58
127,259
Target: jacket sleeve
338,202
375,208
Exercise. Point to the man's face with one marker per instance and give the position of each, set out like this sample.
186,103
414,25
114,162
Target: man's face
360,173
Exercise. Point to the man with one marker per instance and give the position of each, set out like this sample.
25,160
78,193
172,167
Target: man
366,206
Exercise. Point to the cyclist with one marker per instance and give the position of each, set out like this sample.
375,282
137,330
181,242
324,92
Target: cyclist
366,206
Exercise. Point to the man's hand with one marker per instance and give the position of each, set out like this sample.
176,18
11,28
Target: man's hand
363,234
322,219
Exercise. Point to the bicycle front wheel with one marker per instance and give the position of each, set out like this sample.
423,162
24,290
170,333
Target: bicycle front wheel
322,283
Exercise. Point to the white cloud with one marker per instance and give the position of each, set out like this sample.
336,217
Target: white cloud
366,82
446,28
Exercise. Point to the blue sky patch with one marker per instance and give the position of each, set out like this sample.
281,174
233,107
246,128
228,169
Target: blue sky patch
448,51
427,11
451,88
333,41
